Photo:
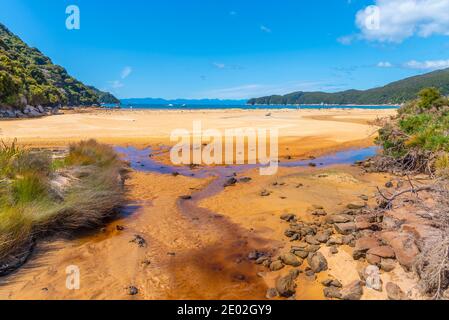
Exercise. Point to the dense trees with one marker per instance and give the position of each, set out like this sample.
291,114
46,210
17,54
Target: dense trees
394,93
29,77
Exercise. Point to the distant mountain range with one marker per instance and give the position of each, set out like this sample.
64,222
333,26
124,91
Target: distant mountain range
202,102
394,93
28,77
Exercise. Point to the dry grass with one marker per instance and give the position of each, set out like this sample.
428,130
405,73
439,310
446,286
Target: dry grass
432,264
29,207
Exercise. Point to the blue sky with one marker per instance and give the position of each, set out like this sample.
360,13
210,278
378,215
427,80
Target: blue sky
234,49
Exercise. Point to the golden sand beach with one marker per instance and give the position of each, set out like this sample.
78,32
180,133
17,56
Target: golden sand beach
197,249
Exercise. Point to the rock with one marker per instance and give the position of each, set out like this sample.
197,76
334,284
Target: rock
372,278
332,293
348,240
358,254
132,291
265,193
290,260
286,286
276,265
339,218
301,253
254,255
382,251
394,292
345,228
187,197
317,262
245,179
333,250
334,240
373,259
312,248
261,260
288,217
119,228
387,265
366,243
230,182
312,240
139,240
405,250
364,197
310,274
271,293
322,236
332,283
356,205
389,184
353,291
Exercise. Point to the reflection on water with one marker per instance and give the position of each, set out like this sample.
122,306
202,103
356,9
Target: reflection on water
141,160
220,270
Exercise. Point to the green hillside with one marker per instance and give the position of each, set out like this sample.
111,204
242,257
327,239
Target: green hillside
27,77
394,93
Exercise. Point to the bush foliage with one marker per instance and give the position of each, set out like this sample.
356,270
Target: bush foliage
418,138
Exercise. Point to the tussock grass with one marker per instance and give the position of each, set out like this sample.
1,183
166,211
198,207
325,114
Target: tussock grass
30,205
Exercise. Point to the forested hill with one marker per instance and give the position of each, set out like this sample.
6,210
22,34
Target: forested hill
394,93
27,77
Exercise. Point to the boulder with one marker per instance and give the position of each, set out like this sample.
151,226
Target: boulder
301,253
276,265
339,218
332,293
322,236
387,265
366,243
288,217
372,278
286,286
373,259
290,260
317,262
394,292
312,240
382,251
345,228
405,250
334,240
353,291
356,205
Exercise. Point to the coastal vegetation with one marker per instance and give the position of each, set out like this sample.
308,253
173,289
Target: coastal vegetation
394,93
41,194
27,77
418,138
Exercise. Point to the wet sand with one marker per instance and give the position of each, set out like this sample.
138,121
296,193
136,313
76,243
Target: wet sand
198,248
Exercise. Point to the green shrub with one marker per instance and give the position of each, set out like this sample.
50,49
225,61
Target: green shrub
419,133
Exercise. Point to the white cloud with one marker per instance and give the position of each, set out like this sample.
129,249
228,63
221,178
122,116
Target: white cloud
126,72
427,65
384,64
265,29
397,20
346,40
219,65
116,84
